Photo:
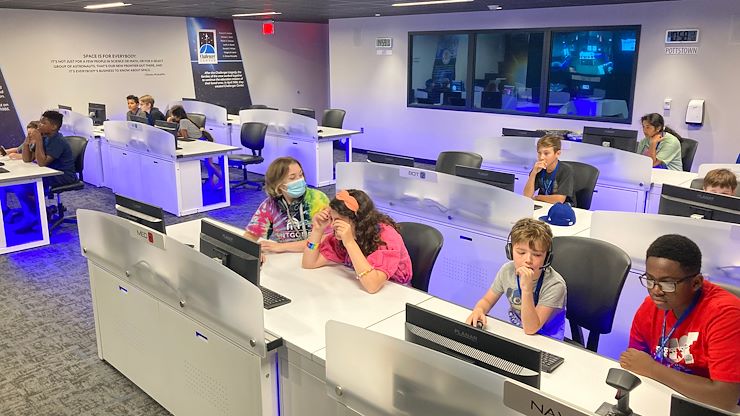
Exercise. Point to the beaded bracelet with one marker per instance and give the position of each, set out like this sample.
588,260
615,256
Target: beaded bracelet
311,246
365,272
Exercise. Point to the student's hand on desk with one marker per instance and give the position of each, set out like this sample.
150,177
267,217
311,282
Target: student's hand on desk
343,230
476,316
16,156
321,220
637,361
269,246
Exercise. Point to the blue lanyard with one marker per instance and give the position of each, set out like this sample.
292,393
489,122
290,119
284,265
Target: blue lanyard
536,290
549,183
660,352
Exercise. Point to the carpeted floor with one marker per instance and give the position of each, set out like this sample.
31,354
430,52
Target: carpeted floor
48,354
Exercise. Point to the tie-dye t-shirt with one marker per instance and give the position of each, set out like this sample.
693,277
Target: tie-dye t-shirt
273,222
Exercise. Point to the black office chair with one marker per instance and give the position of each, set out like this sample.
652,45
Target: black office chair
585,177
55,213
253,138
198,119
333,117
446,161
423,244
688,151
258,107
594,284
308,112
698,183
735,290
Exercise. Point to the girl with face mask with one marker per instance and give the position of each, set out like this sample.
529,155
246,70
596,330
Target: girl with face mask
283,220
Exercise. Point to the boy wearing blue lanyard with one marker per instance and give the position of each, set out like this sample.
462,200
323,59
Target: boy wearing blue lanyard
550,179
686,334
536,292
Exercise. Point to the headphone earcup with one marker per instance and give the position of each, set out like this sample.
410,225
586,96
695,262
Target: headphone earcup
548,259
509,254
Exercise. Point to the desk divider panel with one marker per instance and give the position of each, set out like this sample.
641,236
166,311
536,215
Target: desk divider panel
76,124
706,167
215,114
617,167
140,137
396,377
282,123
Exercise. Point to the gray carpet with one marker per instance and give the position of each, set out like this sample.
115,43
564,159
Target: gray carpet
48,355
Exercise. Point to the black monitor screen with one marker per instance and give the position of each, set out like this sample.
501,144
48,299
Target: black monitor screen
695,203
166,125
682,406
64,107
239,254
305,112
489,177
522,133
484,349
142,213
97,113
390,159
617,139
137,119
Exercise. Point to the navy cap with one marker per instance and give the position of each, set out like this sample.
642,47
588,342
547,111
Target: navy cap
560,214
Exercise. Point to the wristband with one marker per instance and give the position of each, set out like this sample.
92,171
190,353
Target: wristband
311,246
359,276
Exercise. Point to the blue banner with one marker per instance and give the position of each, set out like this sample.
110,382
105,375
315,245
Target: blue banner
218,71
12,132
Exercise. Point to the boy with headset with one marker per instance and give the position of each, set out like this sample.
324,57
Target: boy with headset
536,292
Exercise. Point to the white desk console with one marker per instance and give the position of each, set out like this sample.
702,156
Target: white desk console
142,163
290,134
20,179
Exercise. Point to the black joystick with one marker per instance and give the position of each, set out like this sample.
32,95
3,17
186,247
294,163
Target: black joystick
624,382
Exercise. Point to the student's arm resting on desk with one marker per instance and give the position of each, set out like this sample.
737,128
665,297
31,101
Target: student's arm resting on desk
372,279
482,308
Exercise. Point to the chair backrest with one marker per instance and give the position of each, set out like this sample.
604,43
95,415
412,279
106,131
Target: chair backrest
333,117
198,119
594,283
735,290
688,151
78,145
446,161
585,177
698,183
256,107
423,244
308,112
253,136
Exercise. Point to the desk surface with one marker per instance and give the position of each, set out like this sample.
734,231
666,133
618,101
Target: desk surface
333,133
199,148
19,170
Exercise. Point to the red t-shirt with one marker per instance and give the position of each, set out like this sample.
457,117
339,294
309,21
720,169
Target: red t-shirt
707,343
392,258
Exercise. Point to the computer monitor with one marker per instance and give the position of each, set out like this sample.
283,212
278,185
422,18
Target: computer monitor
615,138
97,113
683,406
390,159
167,126
695,203
308,112
489,177
522,133
484,349
138,119
234,251
142,213
64,107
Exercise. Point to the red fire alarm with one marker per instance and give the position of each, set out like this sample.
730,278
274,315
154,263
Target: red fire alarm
268,28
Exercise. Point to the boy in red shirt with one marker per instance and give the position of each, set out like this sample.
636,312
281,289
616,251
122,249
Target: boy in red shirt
686,334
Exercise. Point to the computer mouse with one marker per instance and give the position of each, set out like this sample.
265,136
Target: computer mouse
321,131
2,164
479,324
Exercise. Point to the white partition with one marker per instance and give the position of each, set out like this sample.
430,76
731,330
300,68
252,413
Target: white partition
706,167
76,124
216,118
140,137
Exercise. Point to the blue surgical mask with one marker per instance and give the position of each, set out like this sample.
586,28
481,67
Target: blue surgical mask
296,189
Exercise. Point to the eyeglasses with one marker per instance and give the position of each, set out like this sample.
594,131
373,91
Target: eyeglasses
667,286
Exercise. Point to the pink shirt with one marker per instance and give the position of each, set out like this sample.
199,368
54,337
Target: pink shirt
392,258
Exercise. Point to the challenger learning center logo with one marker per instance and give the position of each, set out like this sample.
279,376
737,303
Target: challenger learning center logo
207,47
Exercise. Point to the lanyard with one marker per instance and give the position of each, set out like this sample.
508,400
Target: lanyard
292,220
659,353
536,290
548,185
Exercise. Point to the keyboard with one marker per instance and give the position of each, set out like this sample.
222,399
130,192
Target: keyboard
186,139
272,299
550,362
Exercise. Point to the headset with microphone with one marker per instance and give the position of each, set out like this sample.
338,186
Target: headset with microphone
510,253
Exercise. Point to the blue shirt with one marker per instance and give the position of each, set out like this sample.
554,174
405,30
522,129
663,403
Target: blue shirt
58,148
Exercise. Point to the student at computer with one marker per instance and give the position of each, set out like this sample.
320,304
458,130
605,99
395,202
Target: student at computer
16,153
660,143
536,292
132,102
685,334
551,180
284,219
720,181
187,129
152,113
358,236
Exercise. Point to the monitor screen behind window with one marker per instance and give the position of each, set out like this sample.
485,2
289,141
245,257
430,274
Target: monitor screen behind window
682,406
139,212
617,139
489,177
97,113
234,251
484,349
695,203
390,159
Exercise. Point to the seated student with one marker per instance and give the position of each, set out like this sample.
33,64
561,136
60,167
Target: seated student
284,218
685,334
17,153
186,128
660,143
362,238
536,292
552,180
133,107
720,181
152,113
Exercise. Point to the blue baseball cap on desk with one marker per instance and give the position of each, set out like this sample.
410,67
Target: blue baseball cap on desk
560,214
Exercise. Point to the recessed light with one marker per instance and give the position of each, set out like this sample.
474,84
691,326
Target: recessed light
106,5
494,7
425,3
256,14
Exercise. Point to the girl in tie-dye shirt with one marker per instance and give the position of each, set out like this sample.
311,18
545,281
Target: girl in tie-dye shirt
283,219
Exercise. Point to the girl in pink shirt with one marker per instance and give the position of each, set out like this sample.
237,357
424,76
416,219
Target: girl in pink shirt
351,231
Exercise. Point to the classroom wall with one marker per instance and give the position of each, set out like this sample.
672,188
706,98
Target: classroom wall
372,88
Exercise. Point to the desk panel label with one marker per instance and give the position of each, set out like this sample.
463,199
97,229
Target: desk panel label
531,402
418,174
